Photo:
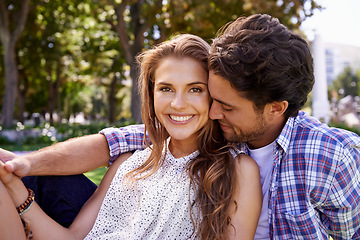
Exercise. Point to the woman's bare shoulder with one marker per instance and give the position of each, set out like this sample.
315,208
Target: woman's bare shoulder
248,197
122,158
247,165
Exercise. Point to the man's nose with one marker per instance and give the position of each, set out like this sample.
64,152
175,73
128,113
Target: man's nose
216,111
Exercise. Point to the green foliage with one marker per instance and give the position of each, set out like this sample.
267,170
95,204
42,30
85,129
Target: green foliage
70,51
57,133
67,131
38,140
5,141
22,147
347,83
63,52
77,130
344,126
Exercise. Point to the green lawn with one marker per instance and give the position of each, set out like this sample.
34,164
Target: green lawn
96,175
23,147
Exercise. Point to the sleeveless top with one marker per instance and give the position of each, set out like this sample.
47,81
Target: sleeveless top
156,207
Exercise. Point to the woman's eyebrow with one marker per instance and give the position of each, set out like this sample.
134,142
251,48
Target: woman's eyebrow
163,83
194,83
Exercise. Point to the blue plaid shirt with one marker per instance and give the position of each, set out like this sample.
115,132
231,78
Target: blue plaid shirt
315,185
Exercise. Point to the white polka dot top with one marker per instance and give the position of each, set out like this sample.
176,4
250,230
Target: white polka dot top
158,207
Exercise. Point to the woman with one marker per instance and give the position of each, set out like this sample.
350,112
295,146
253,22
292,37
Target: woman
186,185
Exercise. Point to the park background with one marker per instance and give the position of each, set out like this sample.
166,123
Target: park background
67,68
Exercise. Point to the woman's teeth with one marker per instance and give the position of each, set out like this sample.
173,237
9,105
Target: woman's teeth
180,118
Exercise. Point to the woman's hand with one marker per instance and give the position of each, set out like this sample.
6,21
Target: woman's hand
14,186
6,177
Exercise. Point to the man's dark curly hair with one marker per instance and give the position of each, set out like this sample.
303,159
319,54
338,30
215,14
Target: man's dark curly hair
264,61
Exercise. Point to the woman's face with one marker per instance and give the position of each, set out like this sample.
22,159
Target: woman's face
181,97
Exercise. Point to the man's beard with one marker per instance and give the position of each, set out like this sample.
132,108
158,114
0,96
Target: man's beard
248,135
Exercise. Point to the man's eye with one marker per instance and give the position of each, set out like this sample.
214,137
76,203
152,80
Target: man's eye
226,109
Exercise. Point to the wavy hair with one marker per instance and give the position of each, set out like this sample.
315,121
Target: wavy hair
212,172
265,61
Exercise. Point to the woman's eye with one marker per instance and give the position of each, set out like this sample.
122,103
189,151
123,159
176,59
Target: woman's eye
165,89
196,90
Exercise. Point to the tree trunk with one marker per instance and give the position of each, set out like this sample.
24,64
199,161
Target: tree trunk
11,82
8,39
131,48
57,95
112,99
22,91
51,97
135,96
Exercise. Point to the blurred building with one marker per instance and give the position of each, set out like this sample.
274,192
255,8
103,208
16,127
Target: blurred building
338,56
320,102
330,59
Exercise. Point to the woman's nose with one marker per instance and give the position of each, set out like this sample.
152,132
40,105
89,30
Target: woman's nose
179,101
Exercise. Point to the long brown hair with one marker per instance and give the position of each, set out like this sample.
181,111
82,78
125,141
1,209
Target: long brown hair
212,172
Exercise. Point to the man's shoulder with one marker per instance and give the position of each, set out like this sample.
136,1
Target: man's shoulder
310,128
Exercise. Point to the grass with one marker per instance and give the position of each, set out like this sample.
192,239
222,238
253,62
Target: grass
96,175
23,147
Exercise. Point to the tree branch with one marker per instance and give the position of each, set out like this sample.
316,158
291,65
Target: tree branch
4,22
22,16
120,29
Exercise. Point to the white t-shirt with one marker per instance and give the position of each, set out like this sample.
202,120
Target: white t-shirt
264,158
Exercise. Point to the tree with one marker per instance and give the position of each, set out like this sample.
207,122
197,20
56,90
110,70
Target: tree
10,31
347,83
132,39
63,43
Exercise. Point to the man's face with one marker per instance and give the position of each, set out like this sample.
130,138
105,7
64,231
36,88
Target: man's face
239,120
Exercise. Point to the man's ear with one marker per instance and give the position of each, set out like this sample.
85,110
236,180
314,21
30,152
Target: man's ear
277,109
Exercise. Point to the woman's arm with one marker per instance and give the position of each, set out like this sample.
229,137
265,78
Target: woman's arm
41,225
248,196
88,213
10,222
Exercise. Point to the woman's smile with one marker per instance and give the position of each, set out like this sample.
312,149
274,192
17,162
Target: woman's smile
179,118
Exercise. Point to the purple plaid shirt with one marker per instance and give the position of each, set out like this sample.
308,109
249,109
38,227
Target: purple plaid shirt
315,185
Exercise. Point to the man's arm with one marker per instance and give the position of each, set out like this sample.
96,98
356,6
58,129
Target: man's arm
77,155
73,156
342,204
125,139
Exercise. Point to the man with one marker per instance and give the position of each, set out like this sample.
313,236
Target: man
260,76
